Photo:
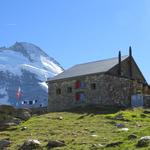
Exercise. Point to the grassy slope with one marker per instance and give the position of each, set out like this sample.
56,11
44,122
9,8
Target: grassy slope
76,129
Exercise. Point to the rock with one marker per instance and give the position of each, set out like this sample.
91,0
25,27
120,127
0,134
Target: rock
143,115
5,125
10,116
138,125
124,129
60,118
132,136
114,144
7,109
17,121
120,125
146,111
144,141
97,145
91,115
23,114
145,138
81,117
74,134
55,143
23,128
134,116
119,117
92,131
31,144
112,122
94,135
4,143
86,129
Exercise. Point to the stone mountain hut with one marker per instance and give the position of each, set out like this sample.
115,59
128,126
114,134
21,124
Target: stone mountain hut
111,82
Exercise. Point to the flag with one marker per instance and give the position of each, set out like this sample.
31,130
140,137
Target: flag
18,93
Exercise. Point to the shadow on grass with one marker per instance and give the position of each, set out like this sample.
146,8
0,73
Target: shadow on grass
86,109
95,109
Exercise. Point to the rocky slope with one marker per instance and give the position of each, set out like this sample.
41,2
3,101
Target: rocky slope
88,128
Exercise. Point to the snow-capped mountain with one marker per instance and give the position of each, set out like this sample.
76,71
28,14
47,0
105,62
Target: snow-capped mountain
24,68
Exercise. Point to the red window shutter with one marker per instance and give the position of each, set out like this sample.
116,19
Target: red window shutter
77,84
77,96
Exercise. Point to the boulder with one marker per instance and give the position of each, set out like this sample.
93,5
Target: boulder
4,143
143,115
55,143
132,136
5,125
7,122
31,144
144,141
23,114
7,109
114,144
146,111
10,116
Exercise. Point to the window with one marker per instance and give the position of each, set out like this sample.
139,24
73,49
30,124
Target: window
79,84
93,86
30,102
69,89
24,102
41,105
58,91
80,96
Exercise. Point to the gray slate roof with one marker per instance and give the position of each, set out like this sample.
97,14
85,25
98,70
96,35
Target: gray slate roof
88,68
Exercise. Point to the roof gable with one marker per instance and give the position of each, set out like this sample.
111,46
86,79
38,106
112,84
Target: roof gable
89,68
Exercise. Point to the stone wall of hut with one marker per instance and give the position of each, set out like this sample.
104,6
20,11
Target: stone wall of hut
99,89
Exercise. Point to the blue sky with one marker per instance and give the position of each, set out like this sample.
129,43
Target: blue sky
77,31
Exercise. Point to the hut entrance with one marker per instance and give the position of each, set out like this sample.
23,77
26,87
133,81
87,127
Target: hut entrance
137,100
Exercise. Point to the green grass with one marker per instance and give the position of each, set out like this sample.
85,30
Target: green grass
77,128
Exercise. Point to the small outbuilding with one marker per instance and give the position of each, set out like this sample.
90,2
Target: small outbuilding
113,81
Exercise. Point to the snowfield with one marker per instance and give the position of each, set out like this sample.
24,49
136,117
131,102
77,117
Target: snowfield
14,62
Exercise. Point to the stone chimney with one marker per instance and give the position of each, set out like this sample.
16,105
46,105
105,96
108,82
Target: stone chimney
130,62
119,62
